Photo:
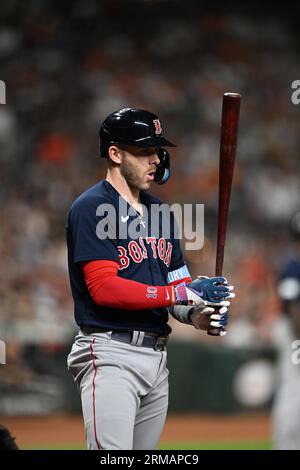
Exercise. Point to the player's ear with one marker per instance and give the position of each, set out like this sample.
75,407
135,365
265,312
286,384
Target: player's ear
115,154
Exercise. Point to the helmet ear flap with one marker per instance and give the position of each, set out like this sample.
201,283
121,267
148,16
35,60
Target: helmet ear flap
162,173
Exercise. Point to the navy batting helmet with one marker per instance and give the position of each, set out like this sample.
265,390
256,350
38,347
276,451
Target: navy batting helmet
130,126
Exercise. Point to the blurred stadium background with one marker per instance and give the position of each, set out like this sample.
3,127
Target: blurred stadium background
67,65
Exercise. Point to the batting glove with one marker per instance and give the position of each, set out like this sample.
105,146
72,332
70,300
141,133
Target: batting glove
203,317
218,319
214,290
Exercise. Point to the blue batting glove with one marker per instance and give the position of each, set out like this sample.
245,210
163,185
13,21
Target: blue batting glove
214,289
220,318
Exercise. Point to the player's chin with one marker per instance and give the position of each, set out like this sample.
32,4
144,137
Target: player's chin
145,185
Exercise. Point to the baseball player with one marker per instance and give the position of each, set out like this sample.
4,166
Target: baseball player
286,407
124,287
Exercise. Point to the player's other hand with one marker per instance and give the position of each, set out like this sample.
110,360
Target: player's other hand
214,290
214,318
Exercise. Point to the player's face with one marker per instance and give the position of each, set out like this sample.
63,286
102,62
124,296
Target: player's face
138,166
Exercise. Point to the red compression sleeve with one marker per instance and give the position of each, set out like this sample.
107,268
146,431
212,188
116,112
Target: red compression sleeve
108,289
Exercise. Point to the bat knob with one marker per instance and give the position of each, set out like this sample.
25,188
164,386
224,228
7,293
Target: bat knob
236,96
216,332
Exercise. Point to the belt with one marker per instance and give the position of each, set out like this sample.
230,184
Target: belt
136,338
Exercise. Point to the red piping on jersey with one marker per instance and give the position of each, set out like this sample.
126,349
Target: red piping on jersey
94,393
108,289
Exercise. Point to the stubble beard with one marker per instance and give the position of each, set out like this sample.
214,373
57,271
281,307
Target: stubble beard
133,179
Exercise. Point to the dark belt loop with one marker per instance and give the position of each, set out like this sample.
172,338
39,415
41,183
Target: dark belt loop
137,338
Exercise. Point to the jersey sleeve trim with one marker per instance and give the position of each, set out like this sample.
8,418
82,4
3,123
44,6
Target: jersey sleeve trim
179,274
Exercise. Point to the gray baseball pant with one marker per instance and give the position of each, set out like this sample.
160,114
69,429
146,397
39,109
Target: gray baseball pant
124,391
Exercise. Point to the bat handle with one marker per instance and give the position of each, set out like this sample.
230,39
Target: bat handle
215,331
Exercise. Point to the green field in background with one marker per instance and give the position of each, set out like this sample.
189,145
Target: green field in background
209,445
221,445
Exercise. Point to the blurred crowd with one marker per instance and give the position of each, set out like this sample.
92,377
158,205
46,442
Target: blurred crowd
66,66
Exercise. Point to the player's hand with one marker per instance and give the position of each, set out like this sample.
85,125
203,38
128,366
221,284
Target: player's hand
215,290
212,289
204,320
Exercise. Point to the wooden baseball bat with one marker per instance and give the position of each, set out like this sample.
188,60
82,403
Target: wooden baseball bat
228,143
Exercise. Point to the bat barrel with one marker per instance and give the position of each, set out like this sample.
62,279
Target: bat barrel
228,143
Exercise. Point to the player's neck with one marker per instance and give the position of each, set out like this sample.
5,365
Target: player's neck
131,195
